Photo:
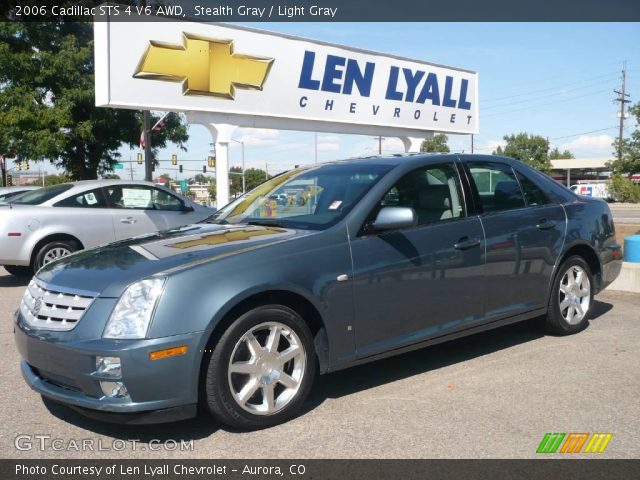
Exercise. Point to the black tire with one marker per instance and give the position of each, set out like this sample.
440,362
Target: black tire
18,270
218,395
556,320
41,255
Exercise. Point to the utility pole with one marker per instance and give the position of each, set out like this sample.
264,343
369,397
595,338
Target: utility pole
148,167
622,98
472,143
379,144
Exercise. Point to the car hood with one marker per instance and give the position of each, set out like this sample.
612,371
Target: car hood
108,269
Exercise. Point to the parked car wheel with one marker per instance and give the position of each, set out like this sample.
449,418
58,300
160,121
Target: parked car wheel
571,298
261,370
18,270
53,251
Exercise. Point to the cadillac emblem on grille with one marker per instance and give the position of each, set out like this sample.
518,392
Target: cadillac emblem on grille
37,305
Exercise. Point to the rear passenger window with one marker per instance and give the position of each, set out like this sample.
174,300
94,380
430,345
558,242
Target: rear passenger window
497,185
533,195
91,199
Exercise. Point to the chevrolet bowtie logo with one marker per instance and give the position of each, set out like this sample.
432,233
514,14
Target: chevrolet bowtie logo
204,66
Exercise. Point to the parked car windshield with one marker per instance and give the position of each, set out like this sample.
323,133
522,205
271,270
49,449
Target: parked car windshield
37,197
309,198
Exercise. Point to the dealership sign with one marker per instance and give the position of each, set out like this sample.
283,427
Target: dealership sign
253,77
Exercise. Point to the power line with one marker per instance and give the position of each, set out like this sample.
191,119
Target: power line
563,92
550,88
545,104
582,133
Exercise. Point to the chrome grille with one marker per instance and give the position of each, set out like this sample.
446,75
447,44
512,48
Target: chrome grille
51,310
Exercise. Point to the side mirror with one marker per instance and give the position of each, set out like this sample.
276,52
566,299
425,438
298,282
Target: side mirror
186,208
394,218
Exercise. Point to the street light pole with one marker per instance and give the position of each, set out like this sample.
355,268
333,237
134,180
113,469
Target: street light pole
244,182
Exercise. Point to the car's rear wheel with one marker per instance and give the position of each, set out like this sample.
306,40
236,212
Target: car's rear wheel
18,270
52,251
261,369
571,298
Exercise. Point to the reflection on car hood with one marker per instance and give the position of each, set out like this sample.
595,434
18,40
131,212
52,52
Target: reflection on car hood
108,269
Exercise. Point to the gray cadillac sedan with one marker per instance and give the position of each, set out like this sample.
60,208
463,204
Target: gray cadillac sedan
316,270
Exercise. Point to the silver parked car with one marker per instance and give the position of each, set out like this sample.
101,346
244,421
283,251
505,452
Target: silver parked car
8,193
43,225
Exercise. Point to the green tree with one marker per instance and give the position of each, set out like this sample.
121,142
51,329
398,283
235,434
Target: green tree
629,164
166,178
436,144
213,191
623,189
530,149
556,154
235,181
254,177
48,107
200,178
111,176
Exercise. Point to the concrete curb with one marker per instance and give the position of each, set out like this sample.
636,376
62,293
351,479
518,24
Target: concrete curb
629,278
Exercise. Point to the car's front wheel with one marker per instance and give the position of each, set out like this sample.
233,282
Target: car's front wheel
261,369
571,298
52,251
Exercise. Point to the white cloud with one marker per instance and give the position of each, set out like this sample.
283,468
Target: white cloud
490,146
589,146
258,136
328,147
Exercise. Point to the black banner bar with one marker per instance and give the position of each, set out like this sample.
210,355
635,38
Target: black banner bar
583,469
327,10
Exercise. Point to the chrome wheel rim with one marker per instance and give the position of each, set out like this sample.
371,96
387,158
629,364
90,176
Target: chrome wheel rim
266,368
55,254
575,295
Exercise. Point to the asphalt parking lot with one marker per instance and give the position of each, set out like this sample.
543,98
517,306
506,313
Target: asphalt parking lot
493,395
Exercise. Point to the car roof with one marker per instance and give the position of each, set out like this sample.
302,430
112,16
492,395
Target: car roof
418,158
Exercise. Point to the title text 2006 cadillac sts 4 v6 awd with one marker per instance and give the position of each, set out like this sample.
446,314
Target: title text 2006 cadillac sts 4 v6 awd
316,270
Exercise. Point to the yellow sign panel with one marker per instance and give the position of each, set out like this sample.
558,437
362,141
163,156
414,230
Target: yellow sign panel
204,66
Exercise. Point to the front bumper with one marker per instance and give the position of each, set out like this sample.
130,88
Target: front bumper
159,390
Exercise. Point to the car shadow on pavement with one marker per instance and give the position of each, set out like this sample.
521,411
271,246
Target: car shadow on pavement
363,377
335,385
192,429
13,281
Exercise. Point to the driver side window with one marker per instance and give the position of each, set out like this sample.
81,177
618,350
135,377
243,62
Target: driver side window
433,192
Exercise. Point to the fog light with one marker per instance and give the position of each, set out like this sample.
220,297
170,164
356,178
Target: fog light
114,389
109,366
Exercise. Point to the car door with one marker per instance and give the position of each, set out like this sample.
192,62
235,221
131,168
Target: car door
86,216
173,210
133,210
419,282
524,231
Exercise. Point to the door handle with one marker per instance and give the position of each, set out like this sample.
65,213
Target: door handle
545,224
129,220
465,243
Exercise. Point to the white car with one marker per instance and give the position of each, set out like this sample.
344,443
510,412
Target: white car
7,193
43,225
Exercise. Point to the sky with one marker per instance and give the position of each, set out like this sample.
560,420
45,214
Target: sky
549,79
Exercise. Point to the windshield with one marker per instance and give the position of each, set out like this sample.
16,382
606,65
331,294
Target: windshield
308,198
37,197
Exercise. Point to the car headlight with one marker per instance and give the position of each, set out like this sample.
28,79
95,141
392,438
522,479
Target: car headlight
132,314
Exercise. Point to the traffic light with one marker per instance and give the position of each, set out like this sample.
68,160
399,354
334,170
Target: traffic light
140,159
174,159
211,161
9,180
19,166
26,165
204,169
180,168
